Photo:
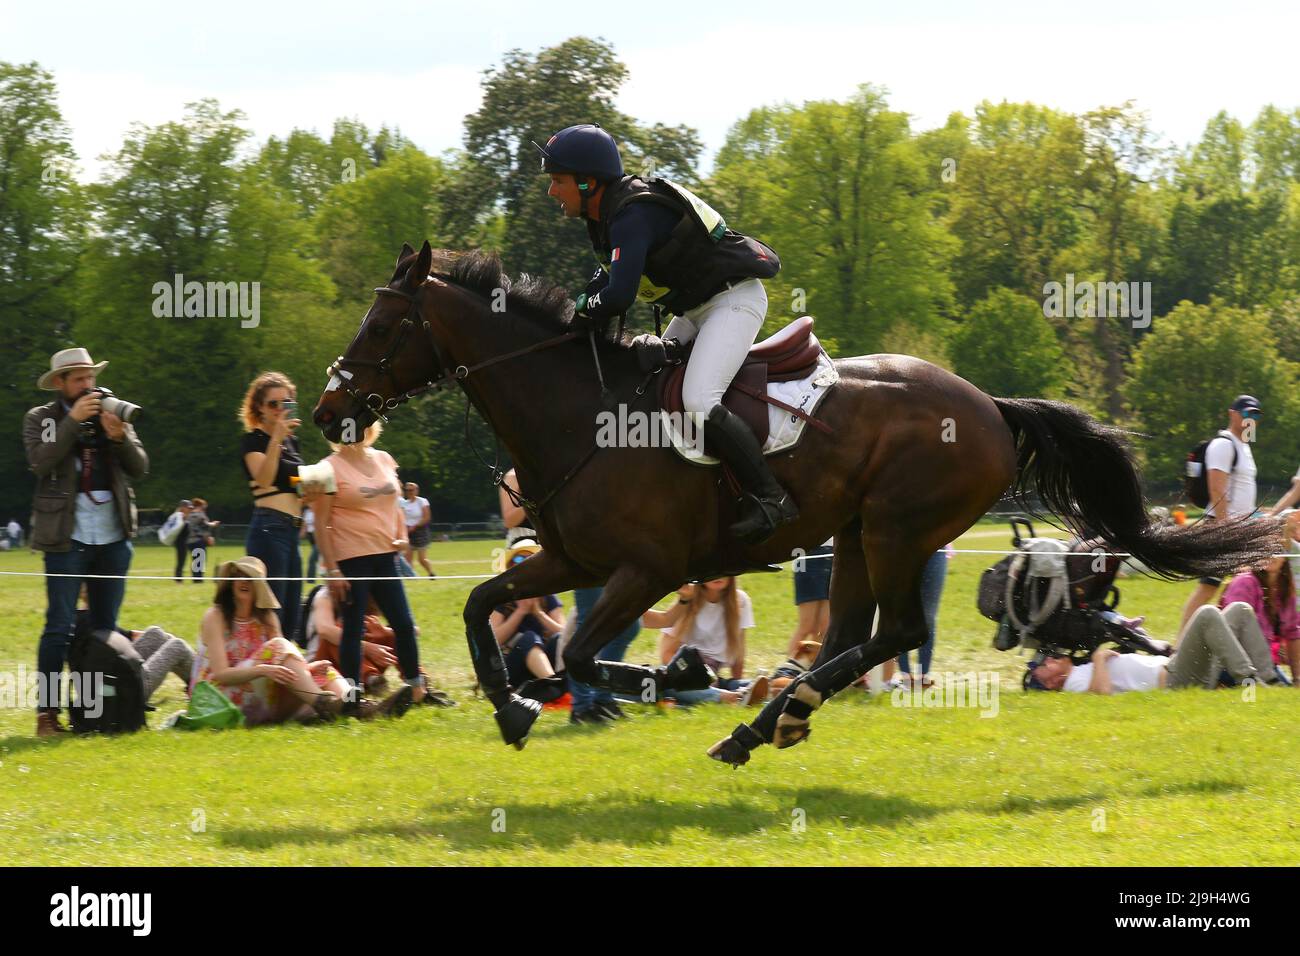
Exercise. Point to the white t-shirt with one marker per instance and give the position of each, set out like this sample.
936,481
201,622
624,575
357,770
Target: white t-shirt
1241,479
1127,672
709,629
413,509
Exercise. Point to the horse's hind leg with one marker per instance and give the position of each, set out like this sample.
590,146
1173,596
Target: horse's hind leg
896,568
853,607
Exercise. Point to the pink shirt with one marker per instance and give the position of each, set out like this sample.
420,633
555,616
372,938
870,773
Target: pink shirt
1246,587
364,517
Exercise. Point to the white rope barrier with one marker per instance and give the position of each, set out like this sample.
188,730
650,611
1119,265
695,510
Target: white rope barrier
484,577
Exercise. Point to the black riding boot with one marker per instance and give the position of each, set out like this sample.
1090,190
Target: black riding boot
765,505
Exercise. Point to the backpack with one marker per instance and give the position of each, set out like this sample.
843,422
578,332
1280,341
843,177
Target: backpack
171,528
115,702
1196,480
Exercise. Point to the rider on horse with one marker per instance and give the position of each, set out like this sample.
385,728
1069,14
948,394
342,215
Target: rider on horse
659,243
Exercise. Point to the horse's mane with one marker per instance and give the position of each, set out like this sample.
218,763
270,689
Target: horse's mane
481,271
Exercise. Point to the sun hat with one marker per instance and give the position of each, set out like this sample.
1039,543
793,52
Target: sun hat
254,569
68,360
521,549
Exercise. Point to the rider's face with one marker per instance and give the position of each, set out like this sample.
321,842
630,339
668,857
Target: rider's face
564,189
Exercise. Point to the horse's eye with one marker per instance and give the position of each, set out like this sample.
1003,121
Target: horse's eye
379,331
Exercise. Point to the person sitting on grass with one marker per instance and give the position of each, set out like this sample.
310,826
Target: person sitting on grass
1214,640
528,631
1269,590
163,653
712,618
323,621
243,652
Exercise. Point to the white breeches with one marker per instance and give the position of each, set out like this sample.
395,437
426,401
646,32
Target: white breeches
723,329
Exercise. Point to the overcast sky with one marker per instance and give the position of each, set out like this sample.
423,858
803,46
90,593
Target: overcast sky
418,65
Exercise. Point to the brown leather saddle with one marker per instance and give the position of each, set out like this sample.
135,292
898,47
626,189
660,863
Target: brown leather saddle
786,356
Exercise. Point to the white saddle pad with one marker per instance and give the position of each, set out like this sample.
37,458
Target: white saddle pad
784,430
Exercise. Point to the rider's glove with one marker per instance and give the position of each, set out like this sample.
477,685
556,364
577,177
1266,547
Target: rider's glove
653,352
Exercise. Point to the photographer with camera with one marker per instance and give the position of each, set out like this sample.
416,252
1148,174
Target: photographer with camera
85,454
1216,640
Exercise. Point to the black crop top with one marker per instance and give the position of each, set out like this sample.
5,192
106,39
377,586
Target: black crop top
258,440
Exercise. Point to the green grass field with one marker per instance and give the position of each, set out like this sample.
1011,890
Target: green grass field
1142,779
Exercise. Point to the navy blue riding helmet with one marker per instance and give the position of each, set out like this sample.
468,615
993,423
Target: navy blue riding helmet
585,150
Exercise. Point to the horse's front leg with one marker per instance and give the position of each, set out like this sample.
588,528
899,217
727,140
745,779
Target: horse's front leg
628,593
544,573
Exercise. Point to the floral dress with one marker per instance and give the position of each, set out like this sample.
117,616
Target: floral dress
246,646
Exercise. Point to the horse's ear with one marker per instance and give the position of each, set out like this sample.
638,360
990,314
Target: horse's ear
406,252
419,272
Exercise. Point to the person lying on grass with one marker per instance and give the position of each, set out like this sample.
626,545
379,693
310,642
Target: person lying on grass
324,629
242,651
712,618
528,631
1229,639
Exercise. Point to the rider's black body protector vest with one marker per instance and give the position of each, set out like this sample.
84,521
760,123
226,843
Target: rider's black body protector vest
700,256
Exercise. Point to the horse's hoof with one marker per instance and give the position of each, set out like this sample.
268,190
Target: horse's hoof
516,718
728,750
790,733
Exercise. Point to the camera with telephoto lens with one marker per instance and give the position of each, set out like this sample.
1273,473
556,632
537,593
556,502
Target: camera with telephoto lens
91,429
108,402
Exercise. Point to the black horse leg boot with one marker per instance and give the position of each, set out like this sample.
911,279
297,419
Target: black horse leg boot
765,505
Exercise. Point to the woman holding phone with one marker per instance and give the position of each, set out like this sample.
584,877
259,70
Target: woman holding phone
269,453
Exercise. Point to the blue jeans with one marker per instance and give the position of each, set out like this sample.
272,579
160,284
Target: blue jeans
312,558
105,597
932,578
585,697
404,567
273,539
708,695
391,598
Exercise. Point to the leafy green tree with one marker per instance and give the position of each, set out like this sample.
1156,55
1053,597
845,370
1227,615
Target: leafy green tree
177,205
42,230
1016,204
1186,373
839,190
528,98
361,224
1007,347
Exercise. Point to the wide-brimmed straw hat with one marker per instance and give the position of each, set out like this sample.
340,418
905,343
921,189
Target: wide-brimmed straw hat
69,360
255,570
522,546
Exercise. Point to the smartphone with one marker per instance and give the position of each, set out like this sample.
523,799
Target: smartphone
290,408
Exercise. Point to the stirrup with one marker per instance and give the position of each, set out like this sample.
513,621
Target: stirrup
770,515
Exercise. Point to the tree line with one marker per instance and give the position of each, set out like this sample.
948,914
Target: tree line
956,244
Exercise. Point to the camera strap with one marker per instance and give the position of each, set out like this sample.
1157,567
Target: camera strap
92,458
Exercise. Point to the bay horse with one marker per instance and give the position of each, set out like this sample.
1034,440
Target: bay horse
914,456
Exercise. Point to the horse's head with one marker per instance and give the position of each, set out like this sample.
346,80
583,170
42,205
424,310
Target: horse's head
392,357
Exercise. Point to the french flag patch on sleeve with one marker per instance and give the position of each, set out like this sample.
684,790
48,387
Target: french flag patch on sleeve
613,256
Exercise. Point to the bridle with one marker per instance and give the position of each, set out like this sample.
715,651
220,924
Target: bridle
374,402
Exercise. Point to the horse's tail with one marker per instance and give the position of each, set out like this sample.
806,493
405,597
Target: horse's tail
1083,472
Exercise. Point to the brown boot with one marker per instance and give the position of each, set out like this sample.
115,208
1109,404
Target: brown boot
47,724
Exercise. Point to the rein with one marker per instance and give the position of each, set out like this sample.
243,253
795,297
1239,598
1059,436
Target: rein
384,365
377,404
